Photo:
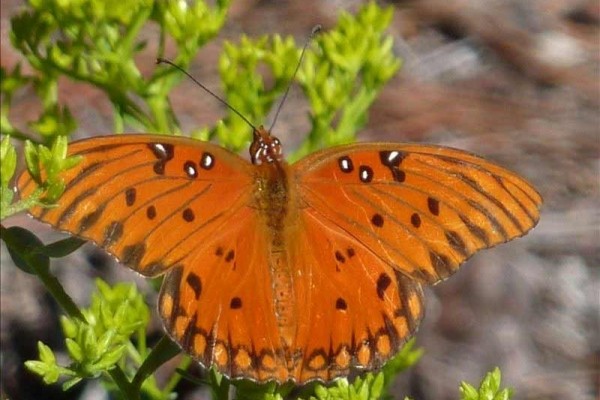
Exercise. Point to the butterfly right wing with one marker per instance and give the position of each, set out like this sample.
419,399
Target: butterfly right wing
148,200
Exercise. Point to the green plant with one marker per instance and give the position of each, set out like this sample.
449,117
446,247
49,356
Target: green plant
489,388
100,339
95,42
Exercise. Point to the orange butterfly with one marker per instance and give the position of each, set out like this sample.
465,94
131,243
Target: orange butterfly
289,272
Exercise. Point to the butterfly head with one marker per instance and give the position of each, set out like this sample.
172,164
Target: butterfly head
265,149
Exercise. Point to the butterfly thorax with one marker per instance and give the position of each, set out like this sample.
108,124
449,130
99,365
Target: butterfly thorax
272,196
271,180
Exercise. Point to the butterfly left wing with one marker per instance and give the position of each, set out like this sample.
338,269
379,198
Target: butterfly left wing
375,222
422,209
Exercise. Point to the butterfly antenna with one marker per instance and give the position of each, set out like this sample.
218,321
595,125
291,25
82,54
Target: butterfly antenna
315,31
171,63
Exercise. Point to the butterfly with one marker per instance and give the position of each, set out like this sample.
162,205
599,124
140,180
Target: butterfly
279,272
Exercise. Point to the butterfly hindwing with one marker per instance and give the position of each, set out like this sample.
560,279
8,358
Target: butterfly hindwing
218,303
357,311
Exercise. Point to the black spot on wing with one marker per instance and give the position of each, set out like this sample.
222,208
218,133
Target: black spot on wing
415,220
164,152
188,215
377,220
339,256
442,265
340,304
151,212
365,174
383,282
433,205
346,165
133,254
236,303
91,219
457,243
112,233
130,196
195,283
190,169
207,161
475,230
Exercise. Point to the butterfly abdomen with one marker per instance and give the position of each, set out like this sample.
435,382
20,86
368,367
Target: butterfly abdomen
274,201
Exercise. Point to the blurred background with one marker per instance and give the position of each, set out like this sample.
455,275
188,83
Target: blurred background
514,81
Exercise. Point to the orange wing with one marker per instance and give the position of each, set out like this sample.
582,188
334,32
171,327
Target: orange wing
218,304
376,221
148,200
356,310
423,210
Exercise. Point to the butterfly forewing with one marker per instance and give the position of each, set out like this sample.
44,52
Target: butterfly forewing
148,200
422,209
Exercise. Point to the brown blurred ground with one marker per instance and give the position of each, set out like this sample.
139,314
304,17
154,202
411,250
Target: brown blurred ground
515,81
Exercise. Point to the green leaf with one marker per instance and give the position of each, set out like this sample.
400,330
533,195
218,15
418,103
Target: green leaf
368,387
105,340
71,382
489,389
22,246
111,358
8,161
32,160
248,390
244,85
74,349
45,166
69,327
46,354
46,367
10,83
468,392
62,248
37,367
